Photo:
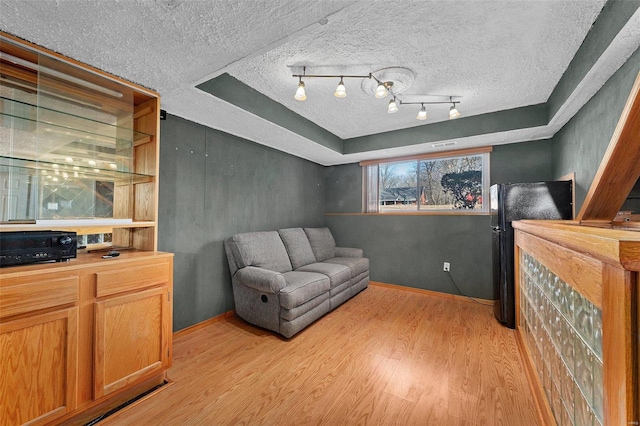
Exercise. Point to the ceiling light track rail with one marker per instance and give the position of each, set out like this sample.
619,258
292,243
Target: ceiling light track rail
333,76
383,89
429,103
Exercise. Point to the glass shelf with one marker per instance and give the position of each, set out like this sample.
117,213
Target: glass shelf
58,172
77,146
69,124
80,227
62,149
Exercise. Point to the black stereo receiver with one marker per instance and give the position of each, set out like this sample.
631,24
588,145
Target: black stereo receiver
19,248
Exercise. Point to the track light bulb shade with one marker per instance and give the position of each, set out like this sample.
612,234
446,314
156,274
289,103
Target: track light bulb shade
392,107
381,91
453,112
341,91
301,95
422,114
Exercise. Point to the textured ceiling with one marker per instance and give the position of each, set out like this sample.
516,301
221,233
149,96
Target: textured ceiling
494,55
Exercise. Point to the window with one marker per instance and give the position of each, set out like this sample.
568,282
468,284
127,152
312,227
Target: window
438,183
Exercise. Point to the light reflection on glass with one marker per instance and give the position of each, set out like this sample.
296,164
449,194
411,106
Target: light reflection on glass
563,330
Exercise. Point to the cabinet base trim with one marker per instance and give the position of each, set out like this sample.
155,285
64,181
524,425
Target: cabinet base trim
96,408
132,402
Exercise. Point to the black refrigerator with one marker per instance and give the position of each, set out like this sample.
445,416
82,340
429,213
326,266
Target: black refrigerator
515,201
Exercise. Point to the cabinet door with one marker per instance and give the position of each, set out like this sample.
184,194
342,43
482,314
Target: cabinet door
38,370
131,338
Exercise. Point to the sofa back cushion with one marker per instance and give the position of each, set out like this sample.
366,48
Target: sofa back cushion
261,249
322,243
298,247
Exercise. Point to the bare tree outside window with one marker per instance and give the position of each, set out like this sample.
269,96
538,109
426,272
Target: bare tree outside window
411,177
398,189
388,177
448,183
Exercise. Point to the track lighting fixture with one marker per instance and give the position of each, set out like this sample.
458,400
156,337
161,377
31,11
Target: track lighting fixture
453,111
341,91
383,89
422,114
301,94
392,107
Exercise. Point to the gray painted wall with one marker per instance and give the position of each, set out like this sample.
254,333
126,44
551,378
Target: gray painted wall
582,142
344,188
410,250
213,185
522,162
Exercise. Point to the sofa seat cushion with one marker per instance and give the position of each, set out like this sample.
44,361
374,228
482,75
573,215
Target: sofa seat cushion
298,247
357,265
302,287
322,243
338,274
291,314
262,250
289,328
359,285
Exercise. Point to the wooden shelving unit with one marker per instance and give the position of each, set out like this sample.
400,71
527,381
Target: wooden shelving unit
81,147
66,128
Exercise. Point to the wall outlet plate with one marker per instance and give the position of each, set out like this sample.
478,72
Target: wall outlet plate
446,267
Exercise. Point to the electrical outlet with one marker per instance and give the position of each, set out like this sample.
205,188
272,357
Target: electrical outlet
446,267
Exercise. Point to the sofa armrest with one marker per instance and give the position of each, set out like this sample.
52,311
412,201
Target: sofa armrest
348,252
261,279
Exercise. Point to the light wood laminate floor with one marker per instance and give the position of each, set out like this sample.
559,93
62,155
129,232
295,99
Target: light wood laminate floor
386,357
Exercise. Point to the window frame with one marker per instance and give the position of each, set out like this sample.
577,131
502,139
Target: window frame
370,184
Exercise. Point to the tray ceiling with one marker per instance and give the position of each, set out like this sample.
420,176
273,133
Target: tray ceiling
493,55
490,55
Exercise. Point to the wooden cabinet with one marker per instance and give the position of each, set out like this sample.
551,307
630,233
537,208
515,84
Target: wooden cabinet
38,368
79,152
132,340
38,347
81,337
129,339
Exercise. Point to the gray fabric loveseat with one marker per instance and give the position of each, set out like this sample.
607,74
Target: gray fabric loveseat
284,280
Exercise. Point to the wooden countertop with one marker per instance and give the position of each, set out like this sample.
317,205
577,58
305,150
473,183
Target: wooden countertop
609,244
83,261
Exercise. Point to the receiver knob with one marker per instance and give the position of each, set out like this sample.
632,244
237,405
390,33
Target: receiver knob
65,240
